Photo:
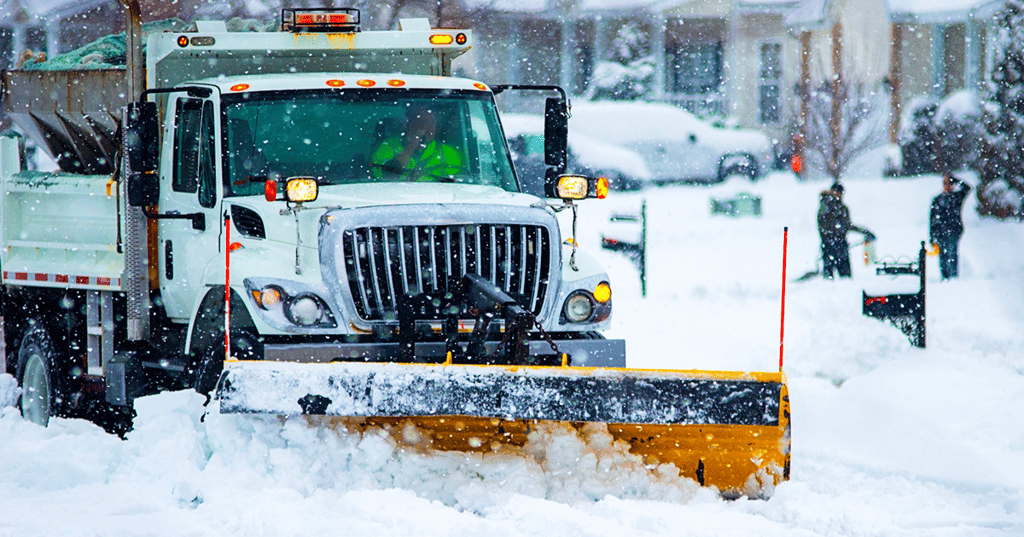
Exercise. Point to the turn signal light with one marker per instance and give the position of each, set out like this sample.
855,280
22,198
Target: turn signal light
441,39
601,188
603,292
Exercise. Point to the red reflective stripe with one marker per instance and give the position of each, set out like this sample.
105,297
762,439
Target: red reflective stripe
102,281
82,280
20,275
41,277
61,278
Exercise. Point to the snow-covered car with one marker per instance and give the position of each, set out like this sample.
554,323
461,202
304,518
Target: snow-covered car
625,169
676,145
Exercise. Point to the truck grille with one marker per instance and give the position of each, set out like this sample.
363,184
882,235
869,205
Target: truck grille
383,263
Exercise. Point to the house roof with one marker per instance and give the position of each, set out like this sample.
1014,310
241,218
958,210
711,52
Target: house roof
808,14
938,11
811,14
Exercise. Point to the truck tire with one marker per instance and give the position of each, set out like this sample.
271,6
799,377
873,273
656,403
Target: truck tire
206,372
39,377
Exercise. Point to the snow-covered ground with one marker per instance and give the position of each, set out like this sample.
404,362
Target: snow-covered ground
888,439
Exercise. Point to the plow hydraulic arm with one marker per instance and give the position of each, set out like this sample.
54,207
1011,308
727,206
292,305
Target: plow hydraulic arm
475,295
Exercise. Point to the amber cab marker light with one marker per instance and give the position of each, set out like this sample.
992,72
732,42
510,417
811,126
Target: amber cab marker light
441,39
479,86
395,83
239,87
366,83
336,83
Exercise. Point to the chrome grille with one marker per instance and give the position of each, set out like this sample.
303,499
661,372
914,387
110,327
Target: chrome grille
383,263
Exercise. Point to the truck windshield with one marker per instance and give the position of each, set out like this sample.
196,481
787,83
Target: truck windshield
363,136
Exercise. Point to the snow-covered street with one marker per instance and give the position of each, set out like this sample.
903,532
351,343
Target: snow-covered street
888,439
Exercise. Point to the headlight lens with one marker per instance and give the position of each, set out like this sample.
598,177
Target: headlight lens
300,189
578,308
269,297
572,187
304,310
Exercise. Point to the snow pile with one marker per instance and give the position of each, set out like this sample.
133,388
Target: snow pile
9,392
888,439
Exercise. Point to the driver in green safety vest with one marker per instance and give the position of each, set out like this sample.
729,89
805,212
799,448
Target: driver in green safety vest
417,155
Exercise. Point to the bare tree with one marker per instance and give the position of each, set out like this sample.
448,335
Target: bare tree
844,121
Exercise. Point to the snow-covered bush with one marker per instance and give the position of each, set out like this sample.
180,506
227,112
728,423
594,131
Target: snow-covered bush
959,130
629,74
936,136
1001,189
917,136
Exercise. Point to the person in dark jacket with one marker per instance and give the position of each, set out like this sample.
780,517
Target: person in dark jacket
946,224
833,224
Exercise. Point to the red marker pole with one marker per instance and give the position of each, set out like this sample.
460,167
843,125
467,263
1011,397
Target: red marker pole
227,287
782,321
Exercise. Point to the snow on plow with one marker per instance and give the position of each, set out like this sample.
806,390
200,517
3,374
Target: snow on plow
727,430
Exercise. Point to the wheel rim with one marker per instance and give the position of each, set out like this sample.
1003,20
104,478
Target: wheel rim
35,397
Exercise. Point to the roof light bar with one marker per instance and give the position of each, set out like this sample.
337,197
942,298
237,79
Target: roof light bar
320,20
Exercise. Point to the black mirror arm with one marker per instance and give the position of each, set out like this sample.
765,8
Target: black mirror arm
198,219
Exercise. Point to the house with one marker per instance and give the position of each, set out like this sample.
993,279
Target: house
906,48
943,46
733,59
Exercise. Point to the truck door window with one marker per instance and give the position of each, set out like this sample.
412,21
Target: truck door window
186,145
207,179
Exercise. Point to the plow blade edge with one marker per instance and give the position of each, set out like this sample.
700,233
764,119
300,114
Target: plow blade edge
724,429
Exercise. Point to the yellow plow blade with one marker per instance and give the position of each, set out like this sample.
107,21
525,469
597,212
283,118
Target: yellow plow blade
724,429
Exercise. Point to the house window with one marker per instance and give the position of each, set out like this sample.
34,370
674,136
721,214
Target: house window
697,68
770,95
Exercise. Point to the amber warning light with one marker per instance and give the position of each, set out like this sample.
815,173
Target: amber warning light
320,20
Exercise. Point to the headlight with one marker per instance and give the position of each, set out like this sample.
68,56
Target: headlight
578,308
578,187
304,310
269,297
300,189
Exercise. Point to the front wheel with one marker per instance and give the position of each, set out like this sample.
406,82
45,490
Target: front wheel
737,165
206,371
40,393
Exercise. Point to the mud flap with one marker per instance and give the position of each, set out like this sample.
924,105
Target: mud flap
724,429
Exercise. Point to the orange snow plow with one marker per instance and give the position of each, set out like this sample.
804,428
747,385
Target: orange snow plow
727,430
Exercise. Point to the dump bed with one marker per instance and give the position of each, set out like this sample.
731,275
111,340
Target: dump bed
72,115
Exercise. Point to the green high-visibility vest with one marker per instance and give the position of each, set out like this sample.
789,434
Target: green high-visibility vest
435,161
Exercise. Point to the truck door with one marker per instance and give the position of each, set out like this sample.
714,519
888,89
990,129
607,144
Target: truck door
190,250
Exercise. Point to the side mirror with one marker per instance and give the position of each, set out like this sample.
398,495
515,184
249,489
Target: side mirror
140,138
143,189
556,133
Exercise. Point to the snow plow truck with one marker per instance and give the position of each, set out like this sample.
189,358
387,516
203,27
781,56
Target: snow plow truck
225,219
